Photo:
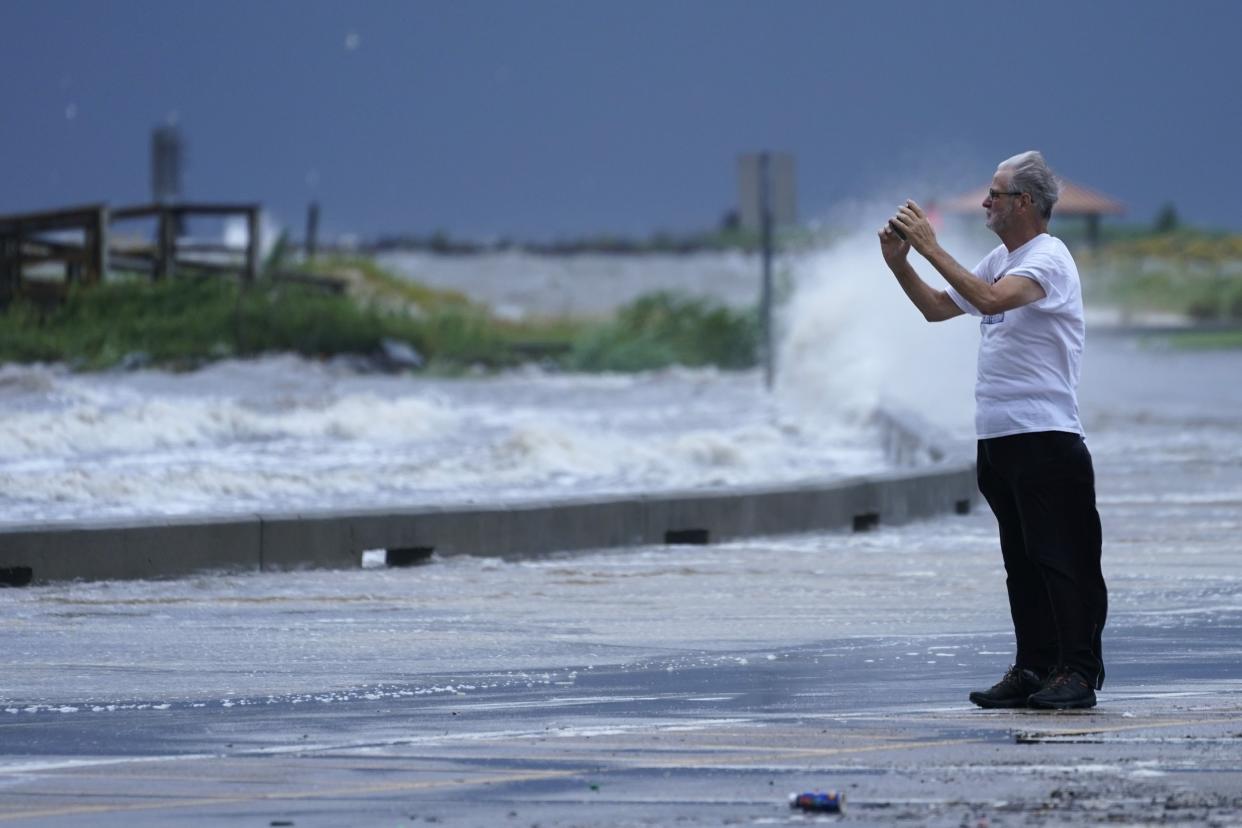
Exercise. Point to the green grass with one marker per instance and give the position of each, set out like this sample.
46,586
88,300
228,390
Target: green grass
1181,245
1200,340
367,280
1188,272
664,329
184,322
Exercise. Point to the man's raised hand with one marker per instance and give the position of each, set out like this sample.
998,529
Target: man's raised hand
892,246
912,222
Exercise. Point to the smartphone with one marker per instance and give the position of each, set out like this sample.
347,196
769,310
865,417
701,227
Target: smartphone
892,226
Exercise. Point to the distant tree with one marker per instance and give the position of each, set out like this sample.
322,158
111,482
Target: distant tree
730,221
440,242
1167,220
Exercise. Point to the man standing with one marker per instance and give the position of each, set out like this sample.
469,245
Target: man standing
1033,466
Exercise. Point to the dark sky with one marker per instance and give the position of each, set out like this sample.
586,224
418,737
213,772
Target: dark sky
535,118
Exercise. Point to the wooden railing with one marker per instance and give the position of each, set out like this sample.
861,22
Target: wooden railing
25,242
168,253
36,240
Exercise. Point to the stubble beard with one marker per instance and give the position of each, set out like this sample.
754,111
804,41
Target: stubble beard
997,219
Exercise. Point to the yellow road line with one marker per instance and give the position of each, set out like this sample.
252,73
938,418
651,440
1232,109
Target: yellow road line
795,753
355,790
754,754
1086,731
527,776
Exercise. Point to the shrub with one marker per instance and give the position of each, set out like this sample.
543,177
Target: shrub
663,329
184,321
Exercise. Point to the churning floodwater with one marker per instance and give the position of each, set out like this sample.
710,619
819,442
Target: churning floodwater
283,433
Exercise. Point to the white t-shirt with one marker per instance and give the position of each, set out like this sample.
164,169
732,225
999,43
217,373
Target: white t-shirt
1029,357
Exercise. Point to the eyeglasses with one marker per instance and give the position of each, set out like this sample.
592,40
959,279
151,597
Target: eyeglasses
995,194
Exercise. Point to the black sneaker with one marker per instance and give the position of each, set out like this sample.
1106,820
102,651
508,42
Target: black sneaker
1011,691
1064,690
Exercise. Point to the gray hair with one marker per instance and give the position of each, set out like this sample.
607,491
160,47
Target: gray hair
1029,173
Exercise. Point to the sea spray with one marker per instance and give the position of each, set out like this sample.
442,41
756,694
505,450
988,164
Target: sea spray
850,340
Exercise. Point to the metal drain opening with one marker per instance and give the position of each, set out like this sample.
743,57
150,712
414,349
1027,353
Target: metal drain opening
866,521
687,537
408,556
16,576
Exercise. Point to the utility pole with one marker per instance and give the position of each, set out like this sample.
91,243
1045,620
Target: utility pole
766,195
765,292
312,230
167,154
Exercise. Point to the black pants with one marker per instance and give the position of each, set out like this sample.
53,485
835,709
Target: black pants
1041,487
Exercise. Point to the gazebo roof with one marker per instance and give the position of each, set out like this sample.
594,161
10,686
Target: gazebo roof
1075,200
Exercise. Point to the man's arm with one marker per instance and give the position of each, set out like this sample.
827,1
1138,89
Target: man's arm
935,305
1004,294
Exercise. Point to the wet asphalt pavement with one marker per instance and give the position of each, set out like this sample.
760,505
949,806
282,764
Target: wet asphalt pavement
721,744
691,737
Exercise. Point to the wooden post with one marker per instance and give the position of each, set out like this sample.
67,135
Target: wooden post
312,230
87,271
9,253
1093,230
252,245
167,244
96,269
19,269
765,295
105,230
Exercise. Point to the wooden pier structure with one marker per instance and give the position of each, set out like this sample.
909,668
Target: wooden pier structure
43,253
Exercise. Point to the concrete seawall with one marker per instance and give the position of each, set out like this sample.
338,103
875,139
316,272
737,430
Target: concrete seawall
943,482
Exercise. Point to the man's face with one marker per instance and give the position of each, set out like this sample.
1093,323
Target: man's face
1000,207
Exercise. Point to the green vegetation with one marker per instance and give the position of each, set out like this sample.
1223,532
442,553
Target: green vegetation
183,322
1167,219
664,329
1185,272
187,321
368,282
1200,340
1192,246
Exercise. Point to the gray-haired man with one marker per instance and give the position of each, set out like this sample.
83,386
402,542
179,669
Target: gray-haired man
1033,466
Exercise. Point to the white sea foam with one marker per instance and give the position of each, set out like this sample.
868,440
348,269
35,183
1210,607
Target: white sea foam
285,433
94,423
